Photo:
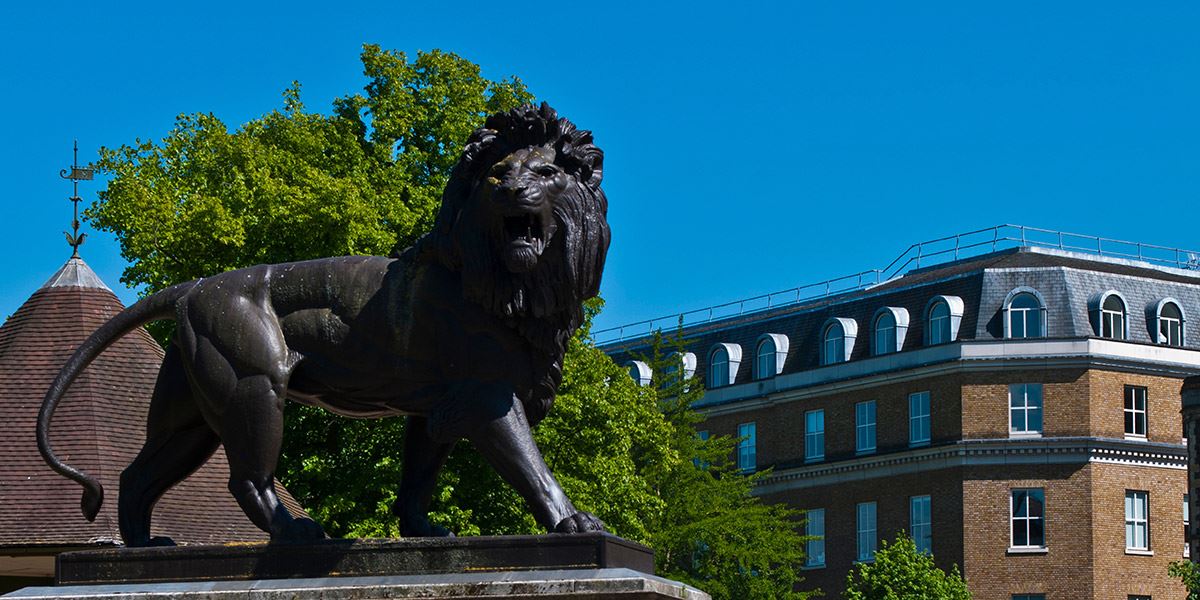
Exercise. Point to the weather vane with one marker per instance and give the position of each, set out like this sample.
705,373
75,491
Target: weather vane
76,174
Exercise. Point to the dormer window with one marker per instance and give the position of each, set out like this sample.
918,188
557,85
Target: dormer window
640,372
891,325
837,340
678,360
723,363
943,315
769,355
1108,315
1024,314
1169,319
939,323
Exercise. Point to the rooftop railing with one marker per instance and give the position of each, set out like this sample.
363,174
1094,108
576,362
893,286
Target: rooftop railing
923,254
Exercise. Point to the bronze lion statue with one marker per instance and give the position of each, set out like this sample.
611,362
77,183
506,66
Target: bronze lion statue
464,332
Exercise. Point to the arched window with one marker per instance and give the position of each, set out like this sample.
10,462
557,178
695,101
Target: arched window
718,368
833,346
885,334
943,315
677,361
688,361
1024,314
1170,321
888,331
769,355
723,362
764,359
939,323
640,372
1108,315
837,340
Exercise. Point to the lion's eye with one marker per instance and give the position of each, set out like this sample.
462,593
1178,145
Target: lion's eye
547,171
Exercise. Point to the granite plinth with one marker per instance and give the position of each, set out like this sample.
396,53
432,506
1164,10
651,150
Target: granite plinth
573,584
350,558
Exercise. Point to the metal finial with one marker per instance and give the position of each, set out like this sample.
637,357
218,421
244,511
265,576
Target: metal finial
76,174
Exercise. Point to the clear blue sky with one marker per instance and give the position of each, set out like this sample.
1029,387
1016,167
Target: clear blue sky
749,149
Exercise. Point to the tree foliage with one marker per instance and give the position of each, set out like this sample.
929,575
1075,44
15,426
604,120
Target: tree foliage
713,533
294,184
366,178
1188,573
901,572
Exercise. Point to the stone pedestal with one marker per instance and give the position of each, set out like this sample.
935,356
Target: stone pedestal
594,565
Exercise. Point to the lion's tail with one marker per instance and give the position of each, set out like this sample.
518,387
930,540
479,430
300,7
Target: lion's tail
152,308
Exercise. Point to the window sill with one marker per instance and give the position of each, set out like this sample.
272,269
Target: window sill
1024,435
864,452
814,460
1129,437
1028,550
920,444
812,567
1136,552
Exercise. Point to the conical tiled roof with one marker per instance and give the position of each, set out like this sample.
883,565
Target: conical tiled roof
99,427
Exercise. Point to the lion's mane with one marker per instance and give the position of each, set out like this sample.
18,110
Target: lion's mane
544,304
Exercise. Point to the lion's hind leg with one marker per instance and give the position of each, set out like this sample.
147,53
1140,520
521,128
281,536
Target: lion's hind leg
423,459
178,441
252,429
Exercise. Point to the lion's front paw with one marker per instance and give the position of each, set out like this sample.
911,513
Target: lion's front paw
579,523
421,527
299,530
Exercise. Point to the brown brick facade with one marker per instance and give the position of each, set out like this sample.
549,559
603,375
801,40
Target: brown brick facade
1085,553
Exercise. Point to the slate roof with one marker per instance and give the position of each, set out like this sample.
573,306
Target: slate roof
1067,281
99,427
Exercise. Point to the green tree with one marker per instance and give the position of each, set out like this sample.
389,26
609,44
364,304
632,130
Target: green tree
1187,572
713,533
901,572
295,184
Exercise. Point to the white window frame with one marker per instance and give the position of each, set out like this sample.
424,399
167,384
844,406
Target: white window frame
1011,313
919,424
1137,521
1023,522
1160,320
814,435
865,415
728,372
1134,415
747,447
1187,548
1020,391
1104,319
920,520
814,549
866,529
763,369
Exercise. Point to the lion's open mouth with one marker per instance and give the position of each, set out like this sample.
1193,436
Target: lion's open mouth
526,240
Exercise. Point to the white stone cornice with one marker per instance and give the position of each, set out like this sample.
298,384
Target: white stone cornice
979,452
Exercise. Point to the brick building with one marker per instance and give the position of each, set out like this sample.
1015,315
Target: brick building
1015,408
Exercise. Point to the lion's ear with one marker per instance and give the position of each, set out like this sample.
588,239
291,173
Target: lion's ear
594,168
